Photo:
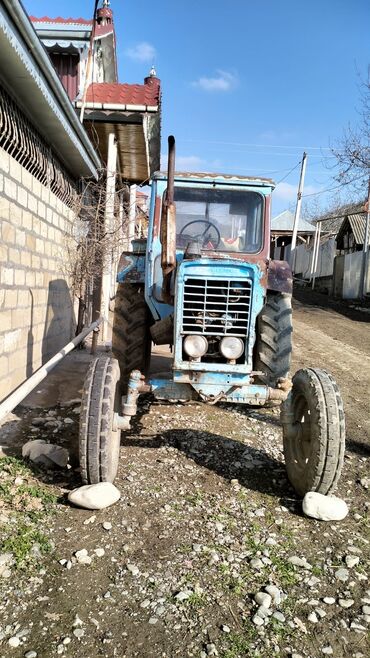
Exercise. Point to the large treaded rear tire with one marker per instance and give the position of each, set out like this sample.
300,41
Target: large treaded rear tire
98,444
131,341
273,348
314,457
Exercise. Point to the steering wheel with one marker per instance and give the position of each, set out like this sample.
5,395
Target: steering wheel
204,237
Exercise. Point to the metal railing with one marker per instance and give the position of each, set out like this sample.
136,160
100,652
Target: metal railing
20,139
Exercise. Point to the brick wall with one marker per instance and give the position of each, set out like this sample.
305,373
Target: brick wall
36,309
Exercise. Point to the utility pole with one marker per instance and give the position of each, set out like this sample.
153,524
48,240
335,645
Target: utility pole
298,210
365,247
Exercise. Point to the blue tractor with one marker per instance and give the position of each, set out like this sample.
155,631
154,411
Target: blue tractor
203,283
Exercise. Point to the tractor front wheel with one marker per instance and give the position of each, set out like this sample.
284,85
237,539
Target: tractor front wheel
313,432
98,444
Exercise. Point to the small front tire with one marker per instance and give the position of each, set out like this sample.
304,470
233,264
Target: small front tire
99,445
313,432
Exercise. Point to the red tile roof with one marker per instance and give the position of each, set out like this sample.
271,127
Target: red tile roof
59,19
124,94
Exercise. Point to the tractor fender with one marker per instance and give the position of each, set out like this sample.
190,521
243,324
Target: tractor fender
279,276
131,268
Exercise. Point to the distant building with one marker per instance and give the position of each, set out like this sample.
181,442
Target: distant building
282,231
67,41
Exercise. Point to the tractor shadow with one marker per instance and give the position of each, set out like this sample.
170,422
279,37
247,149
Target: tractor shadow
230,459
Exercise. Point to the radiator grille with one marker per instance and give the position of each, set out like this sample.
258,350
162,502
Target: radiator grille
216,307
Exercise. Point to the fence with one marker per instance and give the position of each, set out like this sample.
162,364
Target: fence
352,275
341,274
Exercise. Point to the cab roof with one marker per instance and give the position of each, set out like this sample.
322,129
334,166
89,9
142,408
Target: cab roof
200,176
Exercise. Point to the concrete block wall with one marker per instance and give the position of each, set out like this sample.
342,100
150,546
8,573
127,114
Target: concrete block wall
36,307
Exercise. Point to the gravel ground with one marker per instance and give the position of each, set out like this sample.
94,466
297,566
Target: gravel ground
207,530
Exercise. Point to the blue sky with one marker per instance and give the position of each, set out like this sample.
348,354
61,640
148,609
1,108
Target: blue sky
247,86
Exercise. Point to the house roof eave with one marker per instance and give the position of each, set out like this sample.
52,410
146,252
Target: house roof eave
28,74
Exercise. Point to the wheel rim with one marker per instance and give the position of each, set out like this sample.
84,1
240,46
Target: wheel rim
302,444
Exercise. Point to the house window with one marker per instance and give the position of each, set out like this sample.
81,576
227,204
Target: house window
66,66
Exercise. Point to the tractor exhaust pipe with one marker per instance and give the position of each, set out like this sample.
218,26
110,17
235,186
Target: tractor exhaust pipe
171,169
168,226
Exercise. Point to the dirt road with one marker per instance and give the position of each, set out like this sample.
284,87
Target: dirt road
207,519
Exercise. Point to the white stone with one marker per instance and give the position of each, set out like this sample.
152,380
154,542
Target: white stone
342,575
91,519
14,642
99,552
329,600
183,595
106,525
352,561
264,599
312,617
279,616
324,508
6,558
95,496
327,650
263,612
257,620
357,627
346,603
134,570
275,593
40,452
85,559
299,562
79,632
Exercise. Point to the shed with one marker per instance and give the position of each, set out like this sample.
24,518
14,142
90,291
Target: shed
351,234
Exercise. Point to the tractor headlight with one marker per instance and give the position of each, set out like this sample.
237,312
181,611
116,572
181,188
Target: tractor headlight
231,347
195,346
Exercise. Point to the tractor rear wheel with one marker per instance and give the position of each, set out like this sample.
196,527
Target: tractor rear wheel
313,432
98,443
273,347
131,341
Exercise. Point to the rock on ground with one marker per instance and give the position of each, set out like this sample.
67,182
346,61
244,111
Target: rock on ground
95,496
324,508
40,452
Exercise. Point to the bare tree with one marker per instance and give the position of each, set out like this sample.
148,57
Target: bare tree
94,242
352,152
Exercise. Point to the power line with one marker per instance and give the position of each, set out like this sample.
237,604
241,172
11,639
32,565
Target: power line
289,172
282,146
331,189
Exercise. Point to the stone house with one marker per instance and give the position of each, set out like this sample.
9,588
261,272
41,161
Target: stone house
45,152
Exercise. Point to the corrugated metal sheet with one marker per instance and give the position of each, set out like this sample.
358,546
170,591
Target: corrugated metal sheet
66,65
357,223
284,222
